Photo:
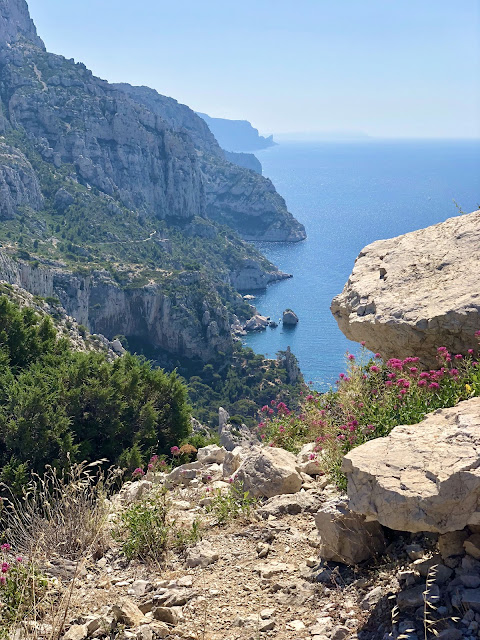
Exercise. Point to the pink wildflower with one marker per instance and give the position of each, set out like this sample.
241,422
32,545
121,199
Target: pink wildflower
363,343
434,385
351,357
374,369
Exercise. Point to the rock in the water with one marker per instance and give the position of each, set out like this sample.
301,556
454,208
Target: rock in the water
388,302
422,477
257,323
345,536
270,472
290,317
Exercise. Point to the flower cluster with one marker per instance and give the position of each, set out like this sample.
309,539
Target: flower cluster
368,400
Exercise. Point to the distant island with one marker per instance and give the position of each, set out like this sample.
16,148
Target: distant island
237,135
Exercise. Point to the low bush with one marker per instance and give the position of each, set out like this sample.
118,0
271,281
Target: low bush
146,531
234,504
369,400
60,514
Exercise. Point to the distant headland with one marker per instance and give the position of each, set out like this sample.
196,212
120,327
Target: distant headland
237,135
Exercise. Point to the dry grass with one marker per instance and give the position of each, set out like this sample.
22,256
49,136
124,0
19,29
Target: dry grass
58,522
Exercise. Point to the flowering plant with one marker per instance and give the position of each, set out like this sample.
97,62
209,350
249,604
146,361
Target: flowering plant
21,587
371,398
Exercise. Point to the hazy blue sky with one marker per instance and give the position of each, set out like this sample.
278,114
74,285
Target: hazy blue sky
405,68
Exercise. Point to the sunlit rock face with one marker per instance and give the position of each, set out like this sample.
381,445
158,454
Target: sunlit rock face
409,295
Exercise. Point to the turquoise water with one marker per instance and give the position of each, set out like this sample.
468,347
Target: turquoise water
348,195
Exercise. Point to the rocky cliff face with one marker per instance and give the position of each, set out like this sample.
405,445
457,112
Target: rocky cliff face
235,195
19,185
16,24
192,322
237,135
94,175
388,302
245,160
128,142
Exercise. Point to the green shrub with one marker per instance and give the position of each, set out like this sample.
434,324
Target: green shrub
234,504
59,406
146,532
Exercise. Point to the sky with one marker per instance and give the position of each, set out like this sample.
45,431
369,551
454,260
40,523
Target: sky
386,68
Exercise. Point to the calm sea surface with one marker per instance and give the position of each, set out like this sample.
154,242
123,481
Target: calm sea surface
348,195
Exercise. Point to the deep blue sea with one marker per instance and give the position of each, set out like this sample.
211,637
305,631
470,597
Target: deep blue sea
348,195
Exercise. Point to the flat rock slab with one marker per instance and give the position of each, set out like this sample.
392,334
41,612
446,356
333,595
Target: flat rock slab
409,295
422,477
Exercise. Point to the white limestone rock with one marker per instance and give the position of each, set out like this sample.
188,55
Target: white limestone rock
346,536
421,477
409,295
270,472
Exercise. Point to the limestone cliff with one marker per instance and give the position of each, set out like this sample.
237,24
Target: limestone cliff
192,322
237,135
235,195
19,185
16,24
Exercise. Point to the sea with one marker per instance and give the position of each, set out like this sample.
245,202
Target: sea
348,194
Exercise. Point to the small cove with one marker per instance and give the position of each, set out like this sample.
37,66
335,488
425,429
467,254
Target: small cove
348,195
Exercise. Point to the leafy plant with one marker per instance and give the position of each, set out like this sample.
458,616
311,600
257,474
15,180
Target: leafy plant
146,532
234,504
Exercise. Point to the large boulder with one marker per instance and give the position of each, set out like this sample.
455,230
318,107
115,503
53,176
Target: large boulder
270,472
422,477
345,536
211,453
411,294
234,435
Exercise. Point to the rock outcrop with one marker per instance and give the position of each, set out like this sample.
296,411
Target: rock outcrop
245,160
269,472
238,197
237,135
250,275
345,536
421,477
19,185
388,302
289,318
16,24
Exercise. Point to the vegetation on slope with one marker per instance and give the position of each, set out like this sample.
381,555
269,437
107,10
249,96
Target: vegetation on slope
369,401
58,405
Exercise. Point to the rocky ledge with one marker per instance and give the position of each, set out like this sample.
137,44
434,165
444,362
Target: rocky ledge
388,302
